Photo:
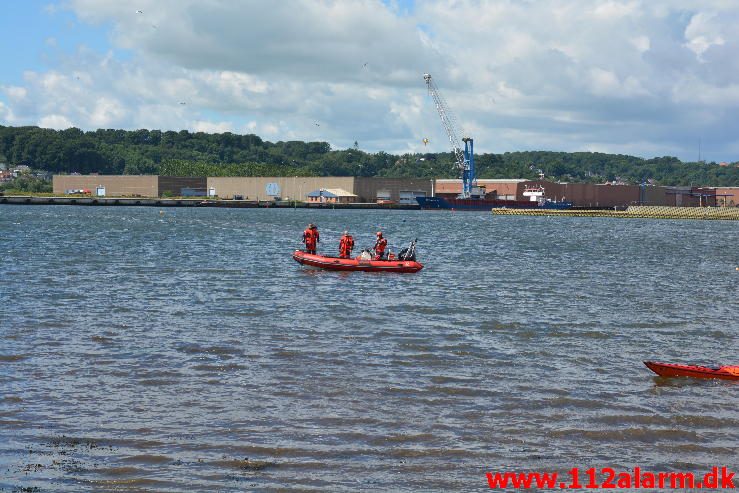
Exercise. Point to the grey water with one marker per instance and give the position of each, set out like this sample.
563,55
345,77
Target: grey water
184,350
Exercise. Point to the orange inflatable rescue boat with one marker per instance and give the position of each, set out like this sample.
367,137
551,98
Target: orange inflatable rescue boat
405,262
673,370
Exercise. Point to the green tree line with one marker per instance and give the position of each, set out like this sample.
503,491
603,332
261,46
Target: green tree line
26,183
185,153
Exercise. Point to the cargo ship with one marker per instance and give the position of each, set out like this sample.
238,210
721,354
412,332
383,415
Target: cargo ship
536,200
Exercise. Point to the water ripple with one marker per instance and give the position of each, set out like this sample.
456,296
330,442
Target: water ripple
189,352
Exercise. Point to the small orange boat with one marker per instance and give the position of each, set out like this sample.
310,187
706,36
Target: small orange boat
673,370
404,262
356,264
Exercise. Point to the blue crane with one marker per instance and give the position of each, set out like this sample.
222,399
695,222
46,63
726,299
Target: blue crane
465,159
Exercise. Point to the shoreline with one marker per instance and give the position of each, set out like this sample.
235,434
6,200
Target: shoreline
633,212
185,202
643,212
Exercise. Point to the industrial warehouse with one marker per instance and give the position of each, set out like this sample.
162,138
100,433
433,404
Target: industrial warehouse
374,190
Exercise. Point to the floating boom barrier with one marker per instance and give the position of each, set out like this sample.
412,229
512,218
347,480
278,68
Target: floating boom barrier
634,211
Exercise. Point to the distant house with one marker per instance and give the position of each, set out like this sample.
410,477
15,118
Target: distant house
331,196
44,175
21,169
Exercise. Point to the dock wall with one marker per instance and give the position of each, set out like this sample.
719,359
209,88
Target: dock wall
638,211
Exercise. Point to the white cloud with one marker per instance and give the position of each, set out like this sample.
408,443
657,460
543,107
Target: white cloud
607,84
15,93
611,10
551,74
641,43
6,115
57,122
302,38
211,127
702,33
106,112
603,82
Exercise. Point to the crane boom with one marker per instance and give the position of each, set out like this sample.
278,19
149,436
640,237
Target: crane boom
464,159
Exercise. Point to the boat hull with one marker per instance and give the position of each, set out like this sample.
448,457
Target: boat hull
673,370
485,204
355,264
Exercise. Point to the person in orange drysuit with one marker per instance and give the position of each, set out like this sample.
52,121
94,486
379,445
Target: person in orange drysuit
380,246
346,245
311,238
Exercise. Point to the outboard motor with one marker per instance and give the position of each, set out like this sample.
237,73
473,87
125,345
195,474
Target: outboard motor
409,253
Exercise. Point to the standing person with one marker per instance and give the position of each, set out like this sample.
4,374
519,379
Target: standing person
380,246
311,238
346,245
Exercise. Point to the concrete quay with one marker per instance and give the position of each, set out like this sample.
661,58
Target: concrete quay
185,202
634,211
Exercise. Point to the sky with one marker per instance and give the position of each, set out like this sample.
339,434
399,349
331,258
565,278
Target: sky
640,77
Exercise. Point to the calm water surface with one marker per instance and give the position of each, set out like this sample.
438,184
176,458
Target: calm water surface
186,350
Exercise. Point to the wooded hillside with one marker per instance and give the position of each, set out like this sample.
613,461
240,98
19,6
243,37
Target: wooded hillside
200,154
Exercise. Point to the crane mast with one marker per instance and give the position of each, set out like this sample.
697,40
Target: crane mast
464,159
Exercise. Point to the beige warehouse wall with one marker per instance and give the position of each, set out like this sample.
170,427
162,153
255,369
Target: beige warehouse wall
253,188
367,188
115,185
